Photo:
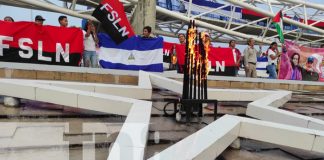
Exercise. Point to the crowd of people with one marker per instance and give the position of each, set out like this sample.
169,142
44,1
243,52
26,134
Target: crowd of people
90,38
246,60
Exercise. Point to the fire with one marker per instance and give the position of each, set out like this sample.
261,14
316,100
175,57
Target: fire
191,45
196,64
206,42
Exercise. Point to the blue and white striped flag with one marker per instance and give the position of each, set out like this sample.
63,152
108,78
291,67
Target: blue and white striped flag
262,63
136,53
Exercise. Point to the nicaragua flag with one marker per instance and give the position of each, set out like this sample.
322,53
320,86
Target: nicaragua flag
136,53
262,63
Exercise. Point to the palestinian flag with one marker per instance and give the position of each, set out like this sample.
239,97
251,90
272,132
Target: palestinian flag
277,21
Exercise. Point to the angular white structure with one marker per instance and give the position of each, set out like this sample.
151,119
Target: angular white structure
96,97
209,142
138,112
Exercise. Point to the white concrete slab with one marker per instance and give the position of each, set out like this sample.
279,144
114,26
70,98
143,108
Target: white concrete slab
319,143
7,129
55,153
108,128
237,94
316,124
126,153
166,83
271,114
104,103
57,95
252,95
206,143
199,145
126,91
266,109
17,90
136,92
275,133
275,99
144,80
79,86
28,135
133,135
140,113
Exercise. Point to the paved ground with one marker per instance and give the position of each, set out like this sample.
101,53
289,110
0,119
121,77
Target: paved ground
169,131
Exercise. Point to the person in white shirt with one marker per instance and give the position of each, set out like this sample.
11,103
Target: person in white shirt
273,55
90,41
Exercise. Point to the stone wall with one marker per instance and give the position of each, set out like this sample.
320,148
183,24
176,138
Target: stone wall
68,76
133,80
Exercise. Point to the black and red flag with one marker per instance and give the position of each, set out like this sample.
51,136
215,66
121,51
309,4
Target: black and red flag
221,60
114,21
27,42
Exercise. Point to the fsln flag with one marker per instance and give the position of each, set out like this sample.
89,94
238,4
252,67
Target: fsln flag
277,21
114,21
25,42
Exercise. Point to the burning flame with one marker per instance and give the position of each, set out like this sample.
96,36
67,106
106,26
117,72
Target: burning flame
206,43
191,45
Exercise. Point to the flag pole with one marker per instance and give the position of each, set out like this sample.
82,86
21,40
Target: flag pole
278,22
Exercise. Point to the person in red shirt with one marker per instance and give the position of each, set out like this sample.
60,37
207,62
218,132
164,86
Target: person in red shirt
182,38
236,55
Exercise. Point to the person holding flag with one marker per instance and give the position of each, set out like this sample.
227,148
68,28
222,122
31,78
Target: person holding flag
90,41
273,54
278,23
120,48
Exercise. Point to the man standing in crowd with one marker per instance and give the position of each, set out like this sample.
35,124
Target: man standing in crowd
236,55
250,59
90,41
182,38
39,20
8,19
63,21
182,41
174,60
